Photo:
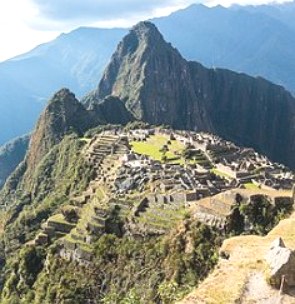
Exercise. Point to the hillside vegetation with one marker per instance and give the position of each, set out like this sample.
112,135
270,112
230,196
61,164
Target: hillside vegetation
106,208
245,269
11,154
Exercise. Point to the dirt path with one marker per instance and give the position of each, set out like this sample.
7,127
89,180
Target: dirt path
259,292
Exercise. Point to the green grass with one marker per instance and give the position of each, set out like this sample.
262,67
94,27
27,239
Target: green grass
153,145
82,245
59,218
221,174
251,186
162,218
100,194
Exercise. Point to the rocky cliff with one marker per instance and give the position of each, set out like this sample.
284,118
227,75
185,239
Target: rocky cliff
160,87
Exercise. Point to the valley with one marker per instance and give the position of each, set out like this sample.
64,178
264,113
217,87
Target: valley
146,185
169,183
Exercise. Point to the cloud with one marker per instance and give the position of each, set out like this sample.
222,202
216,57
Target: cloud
16,35
72,11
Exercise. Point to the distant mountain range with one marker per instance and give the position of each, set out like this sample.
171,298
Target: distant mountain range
75,60
284,12
11,155
238,39
256,40
70,231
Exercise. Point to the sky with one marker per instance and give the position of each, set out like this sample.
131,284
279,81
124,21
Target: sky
25,24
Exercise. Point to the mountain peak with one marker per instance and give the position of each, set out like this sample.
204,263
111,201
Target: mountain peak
157,85
63,95
142,59
141,35
146,30
64,114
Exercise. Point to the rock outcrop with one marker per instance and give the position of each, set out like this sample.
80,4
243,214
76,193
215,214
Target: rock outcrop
281,261
160,87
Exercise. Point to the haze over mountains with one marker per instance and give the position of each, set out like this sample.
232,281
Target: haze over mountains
284,12
258,43
75,60
80,221
242,41
159,86
148,80
11,155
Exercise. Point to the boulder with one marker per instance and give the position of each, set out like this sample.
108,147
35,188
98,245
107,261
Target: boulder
281,262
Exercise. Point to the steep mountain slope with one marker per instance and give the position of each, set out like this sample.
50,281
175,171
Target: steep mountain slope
253,42
244,41
160,87
153,80
75,60
63,115
11,154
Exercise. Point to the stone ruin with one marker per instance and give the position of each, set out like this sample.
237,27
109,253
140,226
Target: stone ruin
281,262
219,211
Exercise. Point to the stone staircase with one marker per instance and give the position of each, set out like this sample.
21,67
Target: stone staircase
201,158
103,153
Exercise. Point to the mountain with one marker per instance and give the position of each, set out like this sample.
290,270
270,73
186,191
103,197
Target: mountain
253,42
11,154
160,87
249,42
104,213
65,115
284,12
75,60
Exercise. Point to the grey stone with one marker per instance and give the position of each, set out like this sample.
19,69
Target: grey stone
281,262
